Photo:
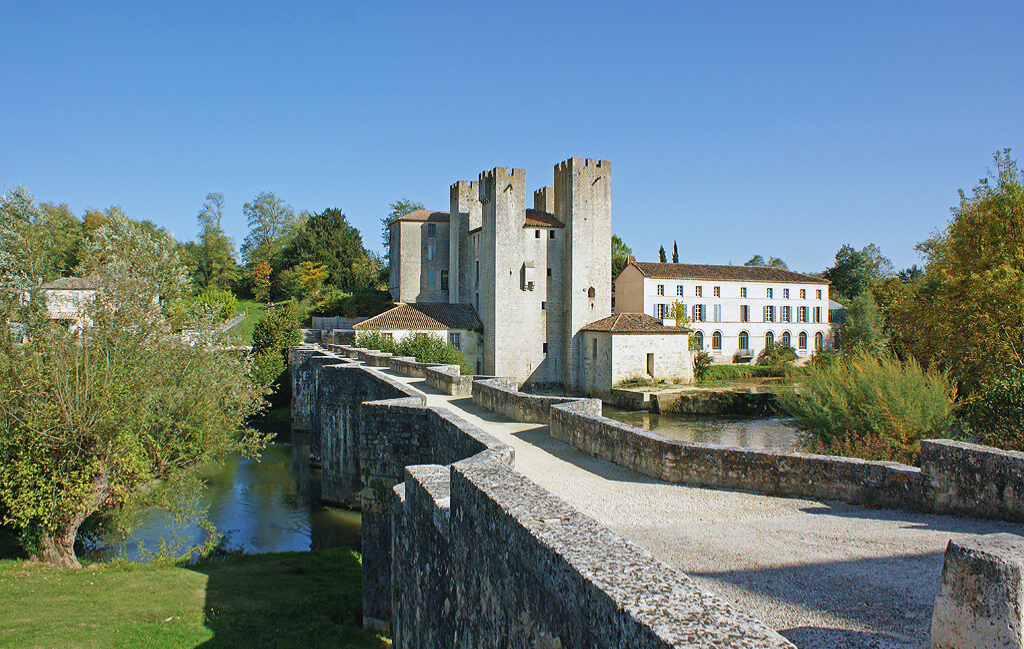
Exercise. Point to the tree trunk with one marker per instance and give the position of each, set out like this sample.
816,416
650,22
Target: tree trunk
58,547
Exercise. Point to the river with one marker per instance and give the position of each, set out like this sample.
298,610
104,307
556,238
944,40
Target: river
266,505
745,432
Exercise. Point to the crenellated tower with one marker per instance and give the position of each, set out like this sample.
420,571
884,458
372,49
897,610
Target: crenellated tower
465,216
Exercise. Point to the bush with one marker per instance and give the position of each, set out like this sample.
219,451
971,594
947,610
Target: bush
851,405
375,339
220,304
637,381
364,302
996,413
736,372
273,335
701,365
428,348
777,354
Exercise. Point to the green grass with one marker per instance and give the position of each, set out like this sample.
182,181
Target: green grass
291,599
244,328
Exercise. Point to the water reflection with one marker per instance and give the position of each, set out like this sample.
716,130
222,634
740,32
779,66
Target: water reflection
266,505
744,432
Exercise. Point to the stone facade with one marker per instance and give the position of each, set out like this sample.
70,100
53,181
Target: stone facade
535,276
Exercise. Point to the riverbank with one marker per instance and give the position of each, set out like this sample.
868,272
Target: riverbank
286,599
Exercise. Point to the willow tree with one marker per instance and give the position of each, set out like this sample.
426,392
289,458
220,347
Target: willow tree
121,408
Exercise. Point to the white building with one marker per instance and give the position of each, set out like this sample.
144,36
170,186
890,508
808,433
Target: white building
735,311
630,345
457,324
67,298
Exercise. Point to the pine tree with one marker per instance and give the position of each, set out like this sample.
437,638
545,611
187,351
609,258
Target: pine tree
675,253
661,254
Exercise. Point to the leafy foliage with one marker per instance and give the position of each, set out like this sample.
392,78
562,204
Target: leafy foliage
864,328
219,304
270,219
92,420
996,412
855,401
429,348
854,270
399,208
376,339
329,241
620,255
334,302
701,364
774,262
777,354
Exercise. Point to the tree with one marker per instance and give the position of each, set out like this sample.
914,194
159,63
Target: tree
661,255
313,277
212,260
399,208
854,271
327,239
973,295
122,410
864,328
269,219
273,334
261,281
774,262
620,255
675,253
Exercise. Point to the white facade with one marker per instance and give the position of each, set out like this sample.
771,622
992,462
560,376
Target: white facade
733,311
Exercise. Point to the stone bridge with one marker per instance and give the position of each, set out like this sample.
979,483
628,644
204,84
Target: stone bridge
494,518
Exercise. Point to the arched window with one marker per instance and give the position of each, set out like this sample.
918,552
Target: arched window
819,341
769,339
591,292
803,340
744,340
835,341
716,341
787,341
698,338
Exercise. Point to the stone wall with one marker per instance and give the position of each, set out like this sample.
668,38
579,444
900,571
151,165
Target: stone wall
500,396
451,382
954,477
459,550
715,402
972,480
409,366
499,562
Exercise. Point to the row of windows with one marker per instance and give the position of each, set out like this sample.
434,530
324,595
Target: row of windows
432,278
698,291
536,234
699,313
769,339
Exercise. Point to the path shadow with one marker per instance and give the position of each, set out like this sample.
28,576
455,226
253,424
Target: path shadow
915,520
892,596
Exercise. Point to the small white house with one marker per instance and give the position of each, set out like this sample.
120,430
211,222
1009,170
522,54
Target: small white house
630,345
66,300
735,311
457,324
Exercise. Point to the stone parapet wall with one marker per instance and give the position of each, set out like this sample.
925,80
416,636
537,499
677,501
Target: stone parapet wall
503,563
460,550
501,396
971,480
409,366
451,382
955,477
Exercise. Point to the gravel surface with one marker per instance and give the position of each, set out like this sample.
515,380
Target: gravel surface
824,574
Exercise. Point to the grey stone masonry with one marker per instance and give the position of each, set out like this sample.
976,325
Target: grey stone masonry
981,600
972,480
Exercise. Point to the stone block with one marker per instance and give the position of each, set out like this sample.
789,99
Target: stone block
981,600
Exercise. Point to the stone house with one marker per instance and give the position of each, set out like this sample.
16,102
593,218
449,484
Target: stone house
735,311
628,345
66,300
457,324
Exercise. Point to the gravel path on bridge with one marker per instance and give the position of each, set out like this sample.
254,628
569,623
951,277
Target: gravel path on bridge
824,574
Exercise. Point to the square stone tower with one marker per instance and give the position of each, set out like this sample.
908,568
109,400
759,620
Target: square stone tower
465,216
583,204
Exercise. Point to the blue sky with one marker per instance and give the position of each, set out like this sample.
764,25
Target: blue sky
775,128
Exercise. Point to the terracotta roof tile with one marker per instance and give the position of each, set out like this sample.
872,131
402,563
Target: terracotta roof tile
712,272
541,219
426,215
424,315
634,323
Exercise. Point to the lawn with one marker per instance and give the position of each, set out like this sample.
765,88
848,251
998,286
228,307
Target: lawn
244,328
291,599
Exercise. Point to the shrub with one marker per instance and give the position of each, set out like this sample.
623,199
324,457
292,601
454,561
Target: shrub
220,304
777,354
428,348
364,302
273,334
701,365
855,402
637,381
376,339
996,412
